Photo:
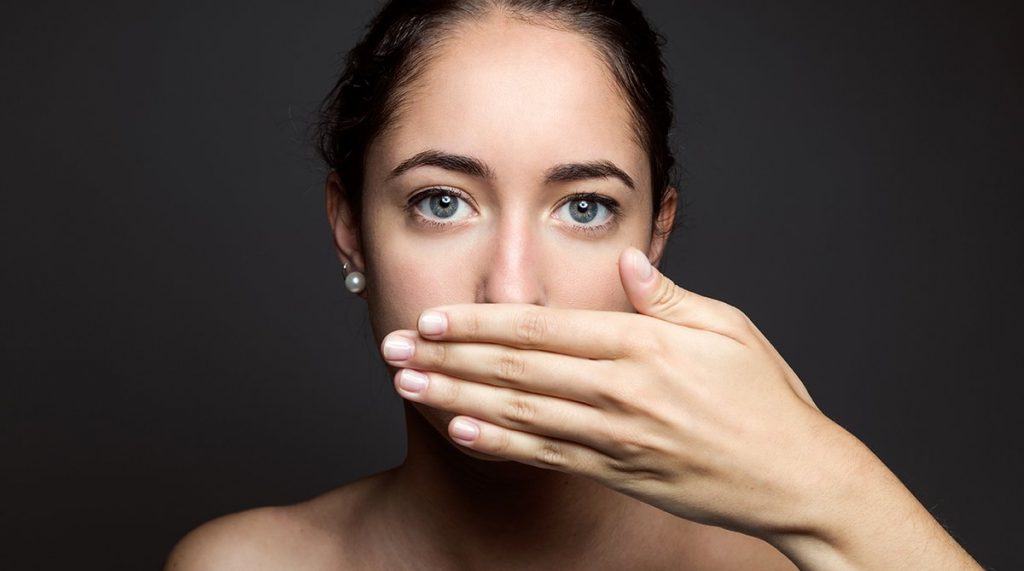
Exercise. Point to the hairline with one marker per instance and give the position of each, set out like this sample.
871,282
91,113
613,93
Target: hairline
428,50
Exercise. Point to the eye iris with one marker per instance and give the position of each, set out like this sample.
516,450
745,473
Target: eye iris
586,210
443,205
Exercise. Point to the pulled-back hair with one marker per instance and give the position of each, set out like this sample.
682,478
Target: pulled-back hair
401,38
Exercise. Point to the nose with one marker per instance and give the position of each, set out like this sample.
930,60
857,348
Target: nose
513,264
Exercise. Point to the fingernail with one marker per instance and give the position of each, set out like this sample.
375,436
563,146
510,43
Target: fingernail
397,348
642,265
465,430
412,381
433,323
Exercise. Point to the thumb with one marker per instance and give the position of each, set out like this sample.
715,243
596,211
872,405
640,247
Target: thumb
649,290
653,293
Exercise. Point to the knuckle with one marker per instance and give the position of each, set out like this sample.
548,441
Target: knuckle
615,394
632,445
502,444
511,366
736,315
643,341
607,395
638,456
616,391
531,327
448,397
633,476
626,396
735,319
668,295
552,454
519,411
437,355
470,324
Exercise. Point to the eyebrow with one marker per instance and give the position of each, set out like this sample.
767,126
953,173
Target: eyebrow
475,167
593,169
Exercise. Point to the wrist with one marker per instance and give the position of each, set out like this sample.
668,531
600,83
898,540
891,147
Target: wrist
835,494
855,513
828,483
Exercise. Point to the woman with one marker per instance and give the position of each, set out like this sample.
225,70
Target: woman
500,187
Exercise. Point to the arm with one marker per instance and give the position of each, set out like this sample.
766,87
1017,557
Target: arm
858,515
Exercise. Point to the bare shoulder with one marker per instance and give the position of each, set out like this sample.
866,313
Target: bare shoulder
261,538
313,534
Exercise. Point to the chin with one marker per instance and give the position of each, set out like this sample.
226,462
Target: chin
439,419
478,455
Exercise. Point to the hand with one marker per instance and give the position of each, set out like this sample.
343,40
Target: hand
684,405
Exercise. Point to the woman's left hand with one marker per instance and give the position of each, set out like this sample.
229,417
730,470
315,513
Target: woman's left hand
684,405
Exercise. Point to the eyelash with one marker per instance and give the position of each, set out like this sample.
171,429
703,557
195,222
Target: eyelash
613,207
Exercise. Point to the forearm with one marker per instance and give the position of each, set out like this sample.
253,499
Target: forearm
859,516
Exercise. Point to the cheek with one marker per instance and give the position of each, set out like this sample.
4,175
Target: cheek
406,280
585,275
590,282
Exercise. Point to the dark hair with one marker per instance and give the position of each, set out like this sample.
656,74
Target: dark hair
400,38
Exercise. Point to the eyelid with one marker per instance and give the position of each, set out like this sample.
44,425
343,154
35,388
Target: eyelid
436,189
607,201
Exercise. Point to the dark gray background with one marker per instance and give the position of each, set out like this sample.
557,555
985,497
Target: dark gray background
178,343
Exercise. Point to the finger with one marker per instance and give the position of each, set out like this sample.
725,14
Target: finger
516,410
563,376
580,332
653,293
532,449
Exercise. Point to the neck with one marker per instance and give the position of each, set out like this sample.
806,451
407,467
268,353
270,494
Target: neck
487,512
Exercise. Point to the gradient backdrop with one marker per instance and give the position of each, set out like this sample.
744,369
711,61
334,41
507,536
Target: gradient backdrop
178,343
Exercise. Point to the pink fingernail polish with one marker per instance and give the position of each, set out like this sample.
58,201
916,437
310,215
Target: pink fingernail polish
465,430
433,323
397,348
412,381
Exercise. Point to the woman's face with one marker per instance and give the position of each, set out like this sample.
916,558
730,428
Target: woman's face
469,197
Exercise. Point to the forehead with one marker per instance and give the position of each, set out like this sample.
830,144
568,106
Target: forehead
520,96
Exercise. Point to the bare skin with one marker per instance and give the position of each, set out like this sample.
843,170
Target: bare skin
519,98
444,510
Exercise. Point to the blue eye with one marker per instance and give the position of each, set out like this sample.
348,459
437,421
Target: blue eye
440,204
585,208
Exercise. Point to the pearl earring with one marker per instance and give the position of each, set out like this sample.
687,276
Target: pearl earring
355,281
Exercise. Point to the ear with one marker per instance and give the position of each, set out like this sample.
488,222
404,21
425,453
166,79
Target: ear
663,225
344,228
